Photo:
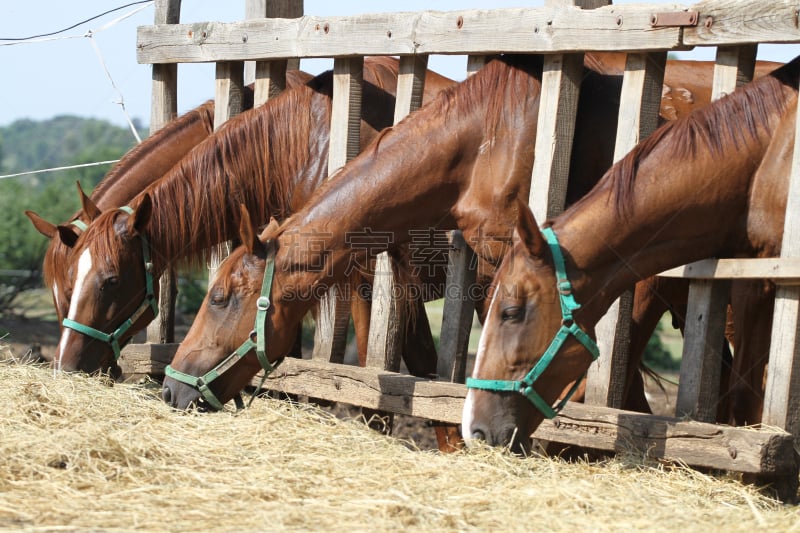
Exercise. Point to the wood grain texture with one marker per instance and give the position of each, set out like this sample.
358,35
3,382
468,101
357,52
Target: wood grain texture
744,21
475,31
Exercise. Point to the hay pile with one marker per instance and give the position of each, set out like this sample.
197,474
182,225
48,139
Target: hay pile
80,453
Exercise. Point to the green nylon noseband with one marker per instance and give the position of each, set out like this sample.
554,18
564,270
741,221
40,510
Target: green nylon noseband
568,328
149,301
200,383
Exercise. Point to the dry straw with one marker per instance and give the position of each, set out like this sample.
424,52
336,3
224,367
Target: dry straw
82,453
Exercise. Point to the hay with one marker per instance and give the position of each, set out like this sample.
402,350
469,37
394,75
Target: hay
82,453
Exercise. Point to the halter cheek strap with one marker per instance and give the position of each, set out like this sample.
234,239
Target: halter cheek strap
568,328
149,301
256,340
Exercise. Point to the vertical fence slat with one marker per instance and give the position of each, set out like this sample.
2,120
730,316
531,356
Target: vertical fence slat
782,394
706,310
561,81
164,108
344,145
387,319
638,117
701,363
228,102
458,310
269,77
475,63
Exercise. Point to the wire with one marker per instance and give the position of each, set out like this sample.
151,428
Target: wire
44,170
74,25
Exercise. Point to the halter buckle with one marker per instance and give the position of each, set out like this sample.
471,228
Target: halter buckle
253,336
263,303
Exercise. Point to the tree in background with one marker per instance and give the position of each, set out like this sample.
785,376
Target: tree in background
29,145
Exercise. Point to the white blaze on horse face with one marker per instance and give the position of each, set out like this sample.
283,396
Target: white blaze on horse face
84,267
467,413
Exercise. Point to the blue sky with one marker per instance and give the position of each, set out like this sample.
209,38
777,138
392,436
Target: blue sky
65,76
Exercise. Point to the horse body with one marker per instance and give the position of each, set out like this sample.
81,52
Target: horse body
271,159
462,162
711,184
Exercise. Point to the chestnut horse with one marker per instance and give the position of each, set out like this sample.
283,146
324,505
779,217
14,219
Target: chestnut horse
270,158
139,167
712,184
460,162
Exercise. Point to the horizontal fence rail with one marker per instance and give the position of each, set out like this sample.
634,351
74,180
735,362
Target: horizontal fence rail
627,27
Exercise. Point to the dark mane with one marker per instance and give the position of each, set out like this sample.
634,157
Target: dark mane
722,126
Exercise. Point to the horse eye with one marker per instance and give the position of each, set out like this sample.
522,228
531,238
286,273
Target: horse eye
110,282
218,298
512,313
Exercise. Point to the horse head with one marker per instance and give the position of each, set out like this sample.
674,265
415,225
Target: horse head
531,346
112,291
218,356
62,240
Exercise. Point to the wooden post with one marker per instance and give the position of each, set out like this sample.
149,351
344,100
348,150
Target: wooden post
459,307
474,64
228,103
782,394
638,117
344,145
387,319
269,77
561,80
164,108
706,312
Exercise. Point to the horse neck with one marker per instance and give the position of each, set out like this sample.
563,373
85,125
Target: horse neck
682,208
424,172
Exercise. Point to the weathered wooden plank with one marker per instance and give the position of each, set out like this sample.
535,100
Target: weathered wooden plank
561,79
348,73
269,77
164,108
140,360
550,29
724,22
706,314
475,63
640,101
783,270
228,102
734,67
410,85
701,363
782,394
458,310
695,443
387,318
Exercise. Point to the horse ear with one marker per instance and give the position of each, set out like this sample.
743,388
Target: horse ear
90,209
247,232
48,229
527,231
141,217
67,235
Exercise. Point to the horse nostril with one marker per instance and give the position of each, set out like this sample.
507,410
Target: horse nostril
478,434
166,395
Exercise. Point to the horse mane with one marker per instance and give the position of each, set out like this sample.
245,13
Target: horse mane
204,114
710,127
253,159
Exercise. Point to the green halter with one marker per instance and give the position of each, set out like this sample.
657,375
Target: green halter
149,301
568,327
200,383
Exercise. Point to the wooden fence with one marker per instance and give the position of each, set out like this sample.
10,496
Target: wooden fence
562,30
